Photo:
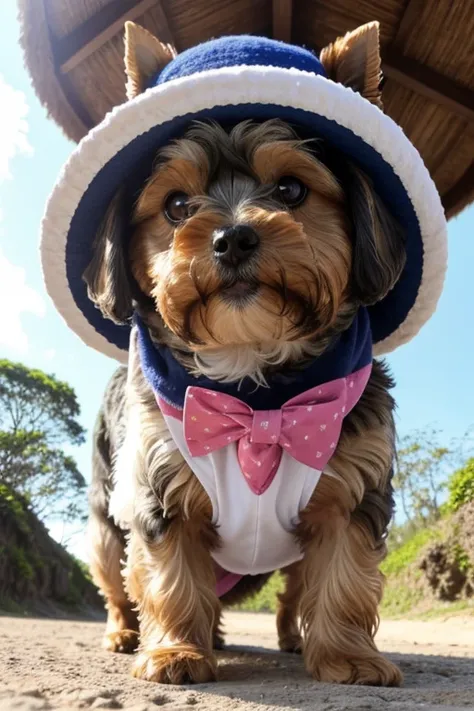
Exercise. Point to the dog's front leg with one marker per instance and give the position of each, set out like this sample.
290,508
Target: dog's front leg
343,533
169,573
173,584
342,588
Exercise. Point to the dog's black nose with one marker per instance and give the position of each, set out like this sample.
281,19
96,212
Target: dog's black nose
234,244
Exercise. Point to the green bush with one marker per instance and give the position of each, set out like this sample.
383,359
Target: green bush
400,597
266,599
402,557
461,487
15,505
22,565
460,557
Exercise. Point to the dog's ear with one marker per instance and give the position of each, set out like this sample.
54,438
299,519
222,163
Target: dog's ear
378,245
107,277
354,60
145,56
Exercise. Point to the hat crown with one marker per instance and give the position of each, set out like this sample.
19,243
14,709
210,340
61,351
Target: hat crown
235,51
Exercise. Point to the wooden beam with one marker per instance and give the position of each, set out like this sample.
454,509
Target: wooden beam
282,11
74,48
455,198
430,84
409,22
165,35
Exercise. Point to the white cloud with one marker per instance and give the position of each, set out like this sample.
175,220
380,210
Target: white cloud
16,298
49,354
14,127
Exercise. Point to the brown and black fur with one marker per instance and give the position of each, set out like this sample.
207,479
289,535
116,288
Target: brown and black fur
109,541
108,548
317,264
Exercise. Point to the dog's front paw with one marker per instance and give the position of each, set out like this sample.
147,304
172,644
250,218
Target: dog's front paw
179,664
372,671
124,641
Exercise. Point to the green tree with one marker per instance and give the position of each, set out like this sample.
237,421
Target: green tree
38,418
461,486
420,476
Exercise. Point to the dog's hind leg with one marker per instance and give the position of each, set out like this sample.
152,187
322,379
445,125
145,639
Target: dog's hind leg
289,635
107,551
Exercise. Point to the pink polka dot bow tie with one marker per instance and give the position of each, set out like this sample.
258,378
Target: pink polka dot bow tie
307,427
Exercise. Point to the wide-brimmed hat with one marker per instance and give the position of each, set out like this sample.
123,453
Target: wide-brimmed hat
229,80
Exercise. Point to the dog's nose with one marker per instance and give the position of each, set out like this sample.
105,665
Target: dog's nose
234,244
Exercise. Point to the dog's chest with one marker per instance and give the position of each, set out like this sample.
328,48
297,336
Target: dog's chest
256,530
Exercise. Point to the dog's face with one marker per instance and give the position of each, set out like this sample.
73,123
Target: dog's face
249,236
242,237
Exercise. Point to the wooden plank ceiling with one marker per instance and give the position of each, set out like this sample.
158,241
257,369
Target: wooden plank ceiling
86,39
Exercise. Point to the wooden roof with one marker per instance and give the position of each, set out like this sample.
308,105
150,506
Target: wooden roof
74,53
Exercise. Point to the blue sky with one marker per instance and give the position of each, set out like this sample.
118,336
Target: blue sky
435,385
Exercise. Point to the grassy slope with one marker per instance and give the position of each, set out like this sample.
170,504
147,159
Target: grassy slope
36,573
404,588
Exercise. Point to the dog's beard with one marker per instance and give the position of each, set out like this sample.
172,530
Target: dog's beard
252,312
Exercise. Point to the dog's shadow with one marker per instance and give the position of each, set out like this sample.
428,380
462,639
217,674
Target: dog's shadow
268,678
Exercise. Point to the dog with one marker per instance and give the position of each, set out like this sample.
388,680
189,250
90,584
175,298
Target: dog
252,249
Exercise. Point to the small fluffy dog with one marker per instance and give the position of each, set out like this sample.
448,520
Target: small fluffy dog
251,248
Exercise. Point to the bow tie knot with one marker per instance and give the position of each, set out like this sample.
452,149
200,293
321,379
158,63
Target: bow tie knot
266,427
307,427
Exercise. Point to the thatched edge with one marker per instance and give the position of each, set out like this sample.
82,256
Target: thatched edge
38,56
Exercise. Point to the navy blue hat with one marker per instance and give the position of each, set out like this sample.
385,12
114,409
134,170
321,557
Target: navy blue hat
229,80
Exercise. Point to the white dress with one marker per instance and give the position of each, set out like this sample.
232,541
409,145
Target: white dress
256,531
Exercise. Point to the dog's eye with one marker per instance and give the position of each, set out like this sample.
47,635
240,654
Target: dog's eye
291,191
177,207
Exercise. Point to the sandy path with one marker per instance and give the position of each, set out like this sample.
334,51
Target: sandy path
48,664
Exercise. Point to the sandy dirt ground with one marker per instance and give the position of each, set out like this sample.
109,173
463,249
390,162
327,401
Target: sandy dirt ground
46,664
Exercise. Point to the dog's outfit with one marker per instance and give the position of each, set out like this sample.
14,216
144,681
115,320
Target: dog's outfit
259,451
260,469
